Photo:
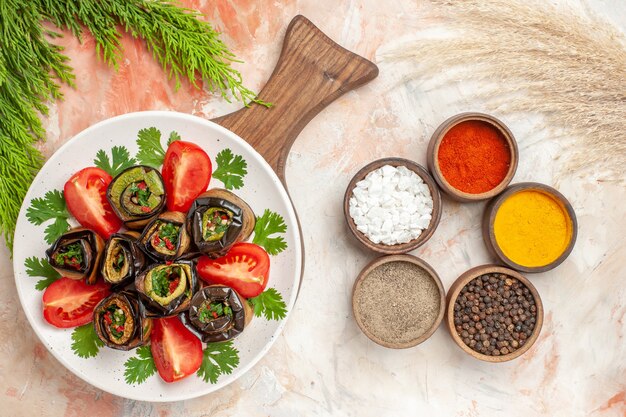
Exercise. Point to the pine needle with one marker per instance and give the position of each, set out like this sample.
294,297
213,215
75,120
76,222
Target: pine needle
571,68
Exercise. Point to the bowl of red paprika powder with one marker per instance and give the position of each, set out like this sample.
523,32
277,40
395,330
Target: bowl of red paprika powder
472,156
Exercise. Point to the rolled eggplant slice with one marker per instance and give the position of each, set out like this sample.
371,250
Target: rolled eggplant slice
218,313
166,238
166,290
122,259
137,195
120,321
76,254
217,220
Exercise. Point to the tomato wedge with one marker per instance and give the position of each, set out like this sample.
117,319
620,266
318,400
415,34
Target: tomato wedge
85,195
186,172
176,351
70,303
245,268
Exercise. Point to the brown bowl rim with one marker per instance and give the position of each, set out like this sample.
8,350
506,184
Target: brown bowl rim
490,214
433,161
401,247
469,275
434,276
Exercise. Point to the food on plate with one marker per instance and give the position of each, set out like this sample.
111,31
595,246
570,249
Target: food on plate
122,259
120,322
166,290
217,220
166,238
245,268
186,172
85,196
177,352
137,195
70,303
218,313
76,254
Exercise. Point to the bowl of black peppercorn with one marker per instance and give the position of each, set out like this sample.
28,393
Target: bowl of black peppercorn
494,313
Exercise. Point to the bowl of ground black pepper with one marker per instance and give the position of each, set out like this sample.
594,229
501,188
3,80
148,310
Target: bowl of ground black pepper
398,301
472,156
494,313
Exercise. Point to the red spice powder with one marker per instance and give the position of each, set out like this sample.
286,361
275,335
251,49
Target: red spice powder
474,156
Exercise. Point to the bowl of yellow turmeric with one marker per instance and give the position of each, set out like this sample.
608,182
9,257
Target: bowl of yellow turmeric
530,227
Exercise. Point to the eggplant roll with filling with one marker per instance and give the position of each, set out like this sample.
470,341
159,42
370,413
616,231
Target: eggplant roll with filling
122,259
137,195
76,254
217,220
166,238
120,321
218,313
166,290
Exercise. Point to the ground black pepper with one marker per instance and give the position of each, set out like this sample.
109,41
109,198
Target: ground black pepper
494,314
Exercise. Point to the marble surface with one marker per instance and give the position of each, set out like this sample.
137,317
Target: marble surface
323,365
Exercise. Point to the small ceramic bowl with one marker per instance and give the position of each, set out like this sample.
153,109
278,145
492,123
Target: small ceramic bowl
468,276
441,298
490,216
402,247
433,160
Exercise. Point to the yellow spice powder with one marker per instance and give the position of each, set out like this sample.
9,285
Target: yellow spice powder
532,228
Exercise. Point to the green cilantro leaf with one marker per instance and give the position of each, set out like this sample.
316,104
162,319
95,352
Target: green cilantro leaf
174,136
138,369
266,225
120,157
52,206
230,169
86,343
151,151
39,267
270,304
218,358
55,230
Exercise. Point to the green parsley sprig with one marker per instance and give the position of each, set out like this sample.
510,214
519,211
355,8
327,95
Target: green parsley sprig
230,169
85,341
140,367
218,359
267,225
51,206
269,304
39,267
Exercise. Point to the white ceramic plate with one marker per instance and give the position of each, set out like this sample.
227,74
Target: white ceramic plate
262,190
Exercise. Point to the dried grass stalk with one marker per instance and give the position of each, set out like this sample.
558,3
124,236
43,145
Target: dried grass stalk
571,67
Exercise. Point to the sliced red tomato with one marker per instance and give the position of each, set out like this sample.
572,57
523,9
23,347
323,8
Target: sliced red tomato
186,172
176,351
70,303
85,195
245,268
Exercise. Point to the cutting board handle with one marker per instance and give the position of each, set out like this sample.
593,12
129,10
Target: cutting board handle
312,72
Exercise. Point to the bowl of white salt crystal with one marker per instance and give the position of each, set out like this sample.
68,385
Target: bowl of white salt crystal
392,205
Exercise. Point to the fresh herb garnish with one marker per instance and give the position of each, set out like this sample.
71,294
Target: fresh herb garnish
118,263
140,367
230,169
168,232
116,320
215,223
120,160
51,206
70,255
218,358
212,311
142,192
160,282
266,225
174,136
151,151
39,267
86,343
269,304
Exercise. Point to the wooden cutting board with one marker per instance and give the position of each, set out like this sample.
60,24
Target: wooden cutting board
311,73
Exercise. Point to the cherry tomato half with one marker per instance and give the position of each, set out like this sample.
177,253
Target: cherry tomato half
70,303
176,351
85,196
186,172
245,268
